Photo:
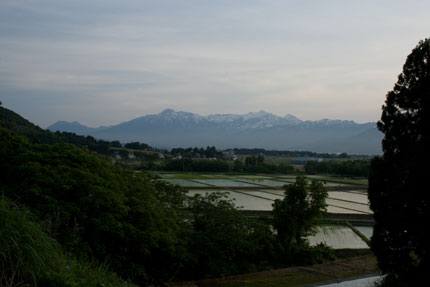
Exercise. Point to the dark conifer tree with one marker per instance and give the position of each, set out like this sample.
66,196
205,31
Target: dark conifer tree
398,186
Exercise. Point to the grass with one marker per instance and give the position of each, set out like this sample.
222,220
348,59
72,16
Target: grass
296,276
25,250
29,257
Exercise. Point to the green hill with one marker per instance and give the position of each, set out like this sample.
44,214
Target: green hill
14,122
91,207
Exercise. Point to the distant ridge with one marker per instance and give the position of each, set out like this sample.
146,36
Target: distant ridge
73,127
261,129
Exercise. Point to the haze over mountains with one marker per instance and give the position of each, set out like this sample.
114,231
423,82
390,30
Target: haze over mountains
170,129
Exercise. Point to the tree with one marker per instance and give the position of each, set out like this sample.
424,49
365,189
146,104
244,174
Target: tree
93,208
398,180
224,241
29,257
297,214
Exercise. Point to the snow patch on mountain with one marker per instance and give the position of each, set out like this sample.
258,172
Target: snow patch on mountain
171,128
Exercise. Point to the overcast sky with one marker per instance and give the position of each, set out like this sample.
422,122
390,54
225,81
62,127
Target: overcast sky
106,62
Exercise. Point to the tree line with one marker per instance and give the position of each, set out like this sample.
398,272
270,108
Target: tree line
251,164
192,158
342,168
286,153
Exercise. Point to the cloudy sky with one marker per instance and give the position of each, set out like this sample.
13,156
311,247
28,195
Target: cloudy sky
105,62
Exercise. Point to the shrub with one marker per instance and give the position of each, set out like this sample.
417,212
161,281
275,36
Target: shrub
25,250
29,257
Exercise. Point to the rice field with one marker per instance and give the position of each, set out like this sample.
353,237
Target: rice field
365,230
185,182
266,181
337,237
258,192
263,194
349,196
242,200
261,200
225,183
354,207
274,191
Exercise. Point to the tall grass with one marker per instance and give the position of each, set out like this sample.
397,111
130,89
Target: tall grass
29,257
25,250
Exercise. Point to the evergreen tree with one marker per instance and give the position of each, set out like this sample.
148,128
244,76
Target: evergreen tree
397,182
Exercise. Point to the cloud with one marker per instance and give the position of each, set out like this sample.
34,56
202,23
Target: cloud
312,59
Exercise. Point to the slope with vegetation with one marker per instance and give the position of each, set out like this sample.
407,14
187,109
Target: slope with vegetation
83,208
33,133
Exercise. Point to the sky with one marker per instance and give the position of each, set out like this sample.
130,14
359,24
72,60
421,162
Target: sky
106,62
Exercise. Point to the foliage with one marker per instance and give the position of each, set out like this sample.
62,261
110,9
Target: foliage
254,160
303,254
223,240
204,165
209,152
144,228
73,273
257,164
285,153
25,251
29,257
138,146
93,208
344,167
297,214
16,123
398,180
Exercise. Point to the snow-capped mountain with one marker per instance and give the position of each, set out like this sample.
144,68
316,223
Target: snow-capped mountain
256,129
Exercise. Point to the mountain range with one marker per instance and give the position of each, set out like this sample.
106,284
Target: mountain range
171,128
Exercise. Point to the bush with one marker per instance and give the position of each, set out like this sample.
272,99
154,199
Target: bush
29,257
93,208
73,273
25,250
305,255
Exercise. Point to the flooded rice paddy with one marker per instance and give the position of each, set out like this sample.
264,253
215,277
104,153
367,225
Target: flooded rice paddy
242,200
258,193
337,237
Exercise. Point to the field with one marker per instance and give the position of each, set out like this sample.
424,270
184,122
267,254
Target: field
256,193
295,276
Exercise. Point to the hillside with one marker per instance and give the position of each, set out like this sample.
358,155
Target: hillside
170,129
16,123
